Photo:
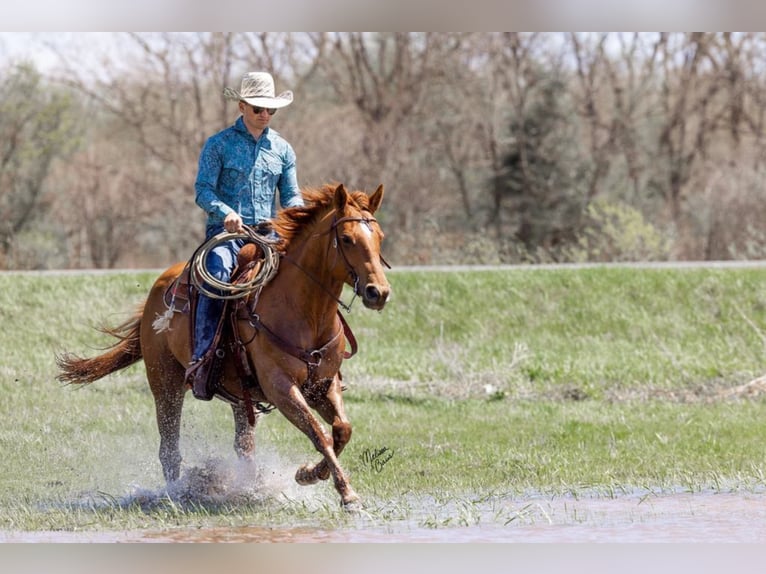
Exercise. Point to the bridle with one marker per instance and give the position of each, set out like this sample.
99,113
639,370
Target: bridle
337,243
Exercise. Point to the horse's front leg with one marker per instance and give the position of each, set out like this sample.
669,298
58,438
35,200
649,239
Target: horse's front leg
292,404
332,410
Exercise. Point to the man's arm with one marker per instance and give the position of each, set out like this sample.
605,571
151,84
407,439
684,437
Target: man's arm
289,192
209,170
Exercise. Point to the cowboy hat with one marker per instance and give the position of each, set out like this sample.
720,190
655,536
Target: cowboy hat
257,89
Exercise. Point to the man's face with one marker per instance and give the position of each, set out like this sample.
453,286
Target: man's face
256,117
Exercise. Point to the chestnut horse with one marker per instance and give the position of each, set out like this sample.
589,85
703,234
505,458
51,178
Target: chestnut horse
292,333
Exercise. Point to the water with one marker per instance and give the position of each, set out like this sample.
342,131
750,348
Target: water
708,517
679,518
640,516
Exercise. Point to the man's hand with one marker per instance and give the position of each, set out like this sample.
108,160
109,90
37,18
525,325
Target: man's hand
233,223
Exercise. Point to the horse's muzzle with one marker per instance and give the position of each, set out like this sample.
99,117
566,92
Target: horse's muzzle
375,296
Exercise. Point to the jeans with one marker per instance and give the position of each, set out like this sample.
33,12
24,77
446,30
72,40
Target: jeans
220,263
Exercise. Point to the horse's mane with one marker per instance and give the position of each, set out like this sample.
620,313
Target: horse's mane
316,201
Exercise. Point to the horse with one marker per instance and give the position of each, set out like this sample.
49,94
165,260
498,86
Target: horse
291,331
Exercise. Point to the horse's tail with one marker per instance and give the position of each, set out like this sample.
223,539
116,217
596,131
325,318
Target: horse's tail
125,352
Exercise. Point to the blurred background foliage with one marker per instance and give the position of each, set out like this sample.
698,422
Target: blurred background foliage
493,147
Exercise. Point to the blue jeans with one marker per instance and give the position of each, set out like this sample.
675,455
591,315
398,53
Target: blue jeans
220,263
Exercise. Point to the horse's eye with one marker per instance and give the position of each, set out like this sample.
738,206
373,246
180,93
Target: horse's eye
347,239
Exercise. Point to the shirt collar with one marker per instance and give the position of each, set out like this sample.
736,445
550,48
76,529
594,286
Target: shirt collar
240,126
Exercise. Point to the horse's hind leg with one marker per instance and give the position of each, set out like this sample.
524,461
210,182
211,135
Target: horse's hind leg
332,410
244,433
165,372
168,402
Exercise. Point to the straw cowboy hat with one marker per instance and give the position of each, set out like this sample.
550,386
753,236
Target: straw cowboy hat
257,89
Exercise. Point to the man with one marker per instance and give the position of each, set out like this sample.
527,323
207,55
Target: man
240,171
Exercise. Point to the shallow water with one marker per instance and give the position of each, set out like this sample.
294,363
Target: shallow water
726,515
702,517
677,517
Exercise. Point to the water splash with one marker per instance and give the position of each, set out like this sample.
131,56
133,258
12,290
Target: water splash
213,484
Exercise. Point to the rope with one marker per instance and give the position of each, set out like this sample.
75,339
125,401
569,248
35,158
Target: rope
216,289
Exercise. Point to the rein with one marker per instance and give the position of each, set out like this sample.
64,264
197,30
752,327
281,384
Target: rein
313,358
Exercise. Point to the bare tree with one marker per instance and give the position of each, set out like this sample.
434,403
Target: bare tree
382,75
601,123
108,205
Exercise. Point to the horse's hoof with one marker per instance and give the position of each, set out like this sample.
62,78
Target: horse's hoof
352,506
305,475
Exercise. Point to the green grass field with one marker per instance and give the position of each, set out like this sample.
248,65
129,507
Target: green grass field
471,384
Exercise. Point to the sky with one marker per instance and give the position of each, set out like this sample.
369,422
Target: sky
22,46
41,47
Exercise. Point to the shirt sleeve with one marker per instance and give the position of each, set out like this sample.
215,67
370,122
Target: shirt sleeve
209,170
289,192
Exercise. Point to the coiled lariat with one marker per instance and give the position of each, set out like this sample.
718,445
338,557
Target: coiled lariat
217,289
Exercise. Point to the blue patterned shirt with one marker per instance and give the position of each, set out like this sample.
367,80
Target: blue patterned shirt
242,174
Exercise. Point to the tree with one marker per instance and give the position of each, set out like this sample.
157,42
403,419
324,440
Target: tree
382,77
539,171
497,144
37,126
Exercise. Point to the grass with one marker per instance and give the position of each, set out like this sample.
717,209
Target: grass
599,330
469,387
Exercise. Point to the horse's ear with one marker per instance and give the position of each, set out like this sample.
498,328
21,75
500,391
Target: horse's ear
376,198
341,198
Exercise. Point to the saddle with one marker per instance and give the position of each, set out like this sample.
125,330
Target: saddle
182,294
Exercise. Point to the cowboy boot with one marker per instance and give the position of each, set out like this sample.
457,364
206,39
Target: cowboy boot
197,377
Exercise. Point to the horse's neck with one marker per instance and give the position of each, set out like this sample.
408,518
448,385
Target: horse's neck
307,282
